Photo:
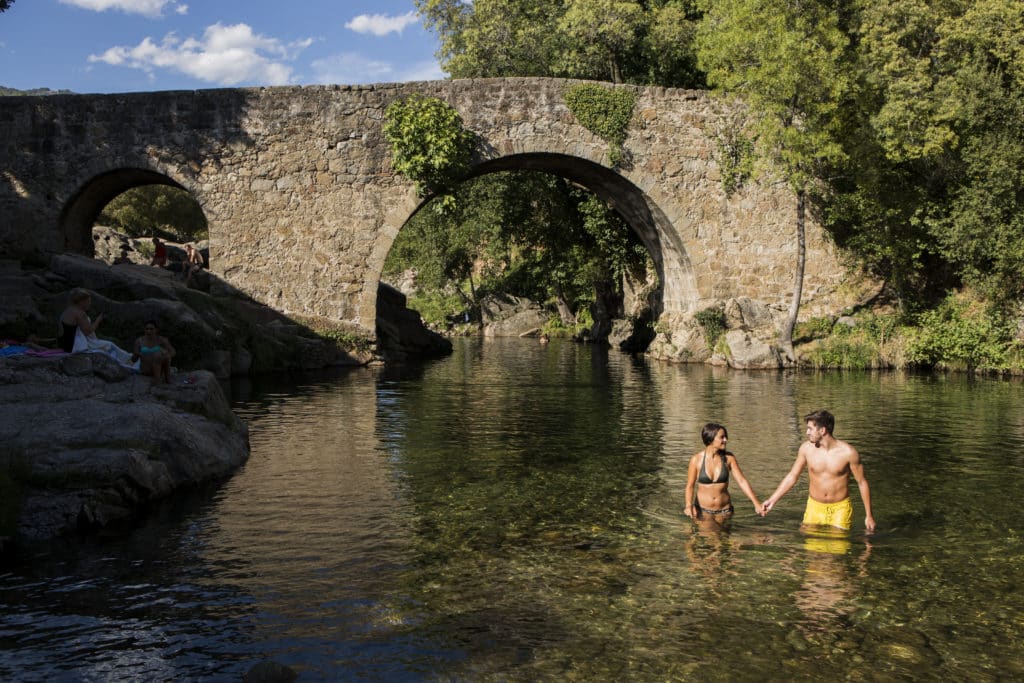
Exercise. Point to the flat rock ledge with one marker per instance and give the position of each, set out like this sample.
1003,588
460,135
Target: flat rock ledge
87,443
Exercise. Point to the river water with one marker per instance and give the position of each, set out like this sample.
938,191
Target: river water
512,513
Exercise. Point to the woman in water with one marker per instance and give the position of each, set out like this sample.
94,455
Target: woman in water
709,473
154,353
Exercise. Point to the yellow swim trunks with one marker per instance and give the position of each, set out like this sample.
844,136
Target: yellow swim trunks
831,514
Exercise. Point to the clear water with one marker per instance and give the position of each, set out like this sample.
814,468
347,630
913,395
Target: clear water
512,513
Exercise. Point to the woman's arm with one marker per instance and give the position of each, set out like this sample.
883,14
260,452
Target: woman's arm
691,481
87,326
734,467
166,344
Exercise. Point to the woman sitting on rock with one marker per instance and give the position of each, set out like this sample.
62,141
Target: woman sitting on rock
154,353
78,331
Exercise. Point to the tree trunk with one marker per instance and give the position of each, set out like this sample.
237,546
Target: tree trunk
564,310
616,69
786,335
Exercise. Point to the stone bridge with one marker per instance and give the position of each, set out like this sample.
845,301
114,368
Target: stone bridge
303,204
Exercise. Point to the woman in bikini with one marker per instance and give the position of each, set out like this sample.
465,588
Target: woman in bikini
709,473
154,353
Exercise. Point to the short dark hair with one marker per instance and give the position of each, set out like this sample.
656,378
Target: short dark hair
151,322
709,431
822,418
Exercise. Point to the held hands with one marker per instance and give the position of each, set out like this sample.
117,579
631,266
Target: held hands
767,506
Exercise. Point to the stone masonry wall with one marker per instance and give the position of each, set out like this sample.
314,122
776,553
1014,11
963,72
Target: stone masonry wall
303,204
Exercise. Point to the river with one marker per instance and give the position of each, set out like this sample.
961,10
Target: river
513,513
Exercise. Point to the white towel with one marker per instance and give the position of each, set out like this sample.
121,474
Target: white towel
93,344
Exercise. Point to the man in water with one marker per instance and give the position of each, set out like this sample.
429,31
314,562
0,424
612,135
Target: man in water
829,463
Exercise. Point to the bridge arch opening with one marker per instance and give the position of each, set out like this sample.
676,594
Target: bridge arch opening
178,209
674,287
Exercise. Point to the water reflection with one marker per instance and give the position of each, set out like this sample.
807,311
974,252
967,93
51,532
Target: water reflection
514,512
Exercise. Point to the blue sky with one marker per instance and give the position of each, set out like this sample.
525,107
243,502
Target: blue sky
100,46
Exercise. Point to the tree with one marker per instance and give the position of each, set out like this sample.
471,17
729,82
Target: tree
5,5
947,85
600,35
789,61
161,210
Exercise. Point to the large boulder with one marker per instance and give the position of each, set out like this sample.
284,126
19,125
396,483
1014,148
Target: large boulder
504,315
87,444
400,330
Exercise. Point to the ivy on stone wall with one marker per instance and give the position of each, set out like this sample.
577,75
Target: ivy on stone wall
605,112
735,159
429,145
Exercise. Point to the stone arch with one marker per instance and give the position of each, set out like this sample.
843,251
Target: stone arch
678,287
80,212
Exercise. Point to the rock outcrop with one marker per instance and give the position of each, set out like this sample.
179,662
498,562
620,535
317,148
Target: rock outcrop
505,315
400,330
87,443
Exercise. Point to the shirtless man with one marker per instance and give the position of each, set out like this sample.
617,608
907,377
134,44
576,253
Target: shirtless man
829,462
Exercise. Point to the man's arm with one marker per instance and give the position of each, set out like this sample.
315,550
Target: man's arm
787,482
857,469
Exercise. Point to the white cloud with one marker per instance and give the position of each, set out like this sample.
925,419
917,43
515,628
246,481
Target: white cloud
226,55
354,69
424,71
381,24
149,8
181,9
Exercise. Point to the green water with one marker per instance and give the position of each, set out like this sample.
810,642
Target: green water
512,513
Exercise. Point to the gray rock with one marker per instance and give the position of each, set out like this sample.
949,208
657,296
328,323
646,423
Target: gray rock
510,316
84,449
400,330
748,352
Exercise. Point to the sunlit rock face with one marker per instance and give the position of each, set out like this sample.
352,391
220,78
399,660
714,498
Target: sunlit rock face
303,204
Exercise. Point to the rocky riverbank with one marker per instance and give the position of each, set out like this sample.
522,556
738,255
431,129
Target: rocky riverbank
87,442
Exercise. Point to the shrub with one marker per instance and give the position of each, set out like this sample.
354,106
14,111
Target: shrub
712,321
963,333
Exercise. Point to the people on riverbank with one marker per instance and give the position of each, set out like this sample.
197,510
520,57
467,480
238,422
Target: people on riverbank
830,463
154,353
193,263
159,254
78,331
707,482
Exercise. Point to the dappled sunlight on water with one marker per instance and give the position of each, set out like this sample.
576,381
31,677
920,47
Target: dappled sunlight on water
513,512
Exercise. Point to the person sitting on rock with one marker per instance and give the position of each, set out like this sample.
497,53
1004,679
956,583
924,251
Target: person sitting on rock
154,353
123,258
193,262
159,253
78,331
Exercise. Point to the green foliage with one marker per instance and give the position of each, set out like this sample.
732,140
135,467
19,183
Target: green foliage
649,43
437,307
815,328
428,144
847,349
735,159
963,333
603,33
712,321
605,112
169,212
